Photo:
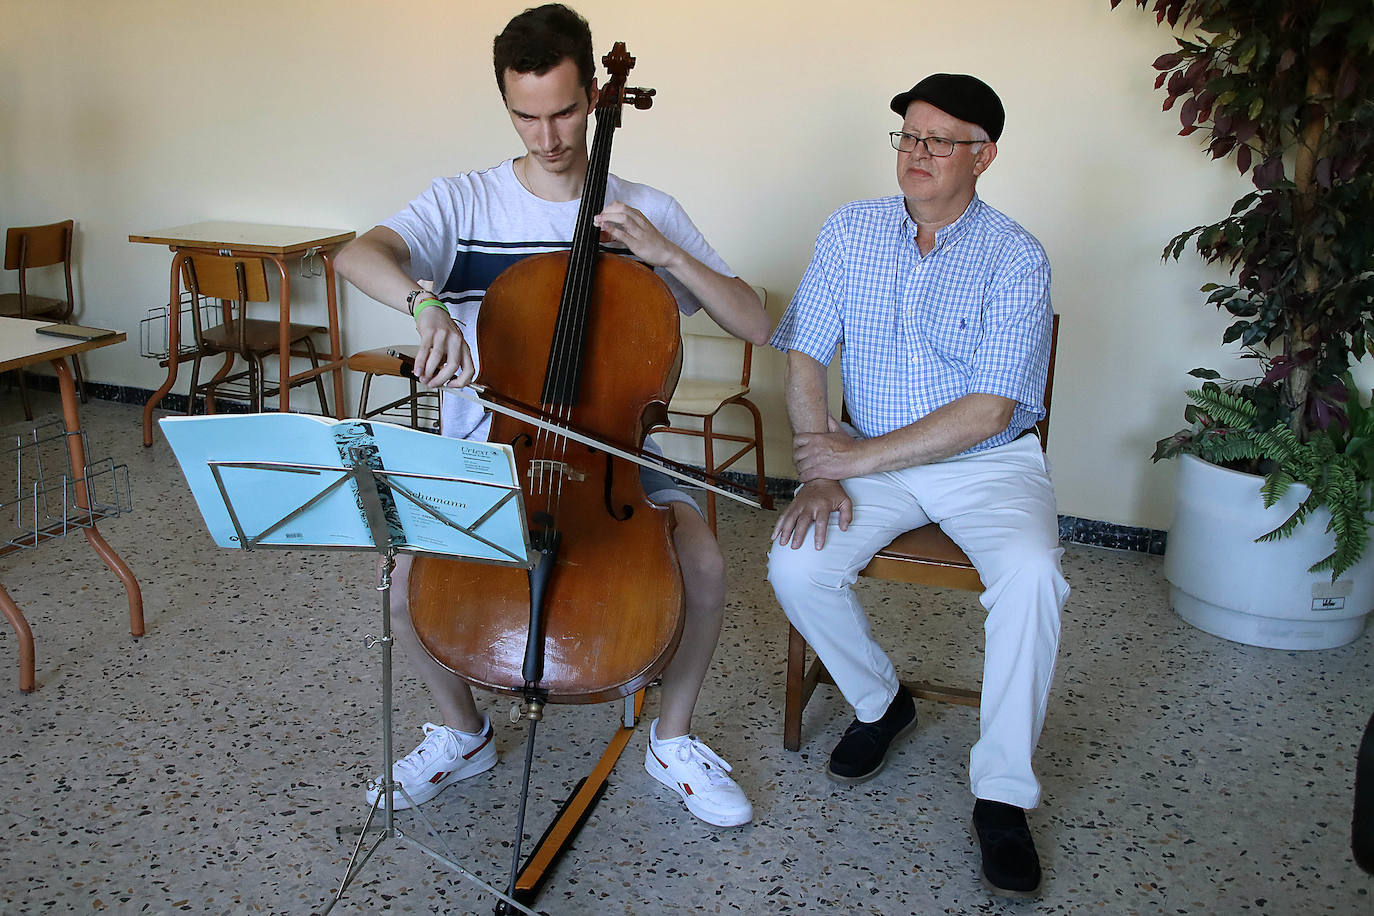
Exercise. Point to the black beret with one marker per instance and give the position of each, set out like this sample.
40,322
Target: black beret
965,97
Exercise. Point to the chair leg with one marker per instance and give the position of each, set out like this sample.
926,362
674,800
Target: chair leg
23,394
257,383
195,383
794,701
760,481
80,379
709,455
362,401
212,386
319,379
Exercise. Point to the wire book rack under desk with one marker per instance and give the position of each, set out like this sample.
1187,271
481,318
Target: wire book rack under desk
154,332
40,499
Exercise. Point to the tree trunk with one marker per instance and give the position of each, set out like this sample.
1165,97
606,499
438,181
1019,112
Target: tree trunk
1301,336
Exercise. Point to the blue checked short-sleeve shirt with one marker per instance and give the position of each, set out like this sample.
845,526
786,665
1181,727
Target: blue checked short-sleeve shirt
972,316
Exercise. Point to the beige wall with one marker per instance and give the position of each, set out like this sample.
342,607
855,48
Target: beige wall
142,114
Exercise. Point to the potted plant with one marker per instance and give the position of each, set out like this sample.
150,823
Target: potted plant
1284,89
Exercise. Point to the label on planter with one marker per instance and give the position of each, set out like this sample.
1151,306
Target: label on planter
1330,596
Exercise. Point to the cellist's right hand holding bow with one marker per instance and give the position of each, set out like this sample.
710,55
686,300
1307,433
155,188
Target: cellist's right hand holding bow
443,358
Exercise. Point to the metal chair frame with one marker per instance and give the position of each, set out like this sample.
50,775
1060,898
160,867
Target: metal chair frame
236,281
705,399
387,361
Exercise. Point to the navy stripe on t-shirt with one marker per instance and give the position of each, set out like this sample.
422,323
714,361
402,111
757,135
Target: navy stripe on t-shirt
475,269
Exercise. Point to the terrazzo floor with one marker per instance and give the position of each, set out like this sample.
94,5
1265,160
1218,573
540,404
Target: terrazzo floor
215,766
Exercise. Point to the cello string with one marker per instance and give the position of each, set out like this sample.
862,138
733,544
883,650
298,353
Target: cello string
553,448
584,279
572,330
561,366
571,333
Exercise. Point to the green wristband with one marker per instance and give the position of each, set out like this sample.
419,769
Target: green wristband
425,303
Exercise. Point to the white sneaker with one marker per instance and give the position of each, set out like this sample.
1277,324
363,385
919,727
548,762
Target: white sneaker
697,774
444,757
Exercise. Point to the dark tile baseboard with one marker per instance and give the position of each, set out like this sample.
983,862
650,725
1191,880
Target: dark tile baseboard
1084,531
1108,534
127,394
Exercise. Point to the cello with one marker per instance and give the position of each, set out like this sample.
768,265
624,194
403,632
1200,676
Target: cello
601,611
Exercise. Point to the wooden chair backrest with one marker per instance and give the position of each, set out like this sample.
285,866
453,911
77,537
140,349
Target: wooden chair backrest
1042,428
703,326
38,246
215,276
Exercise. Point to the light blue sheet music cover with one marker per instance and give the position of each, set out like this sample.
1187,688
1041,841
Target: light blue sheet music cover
448,496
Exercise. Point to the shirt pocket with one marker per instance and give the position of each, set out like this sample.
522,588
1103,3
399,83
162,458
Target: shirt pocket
952,329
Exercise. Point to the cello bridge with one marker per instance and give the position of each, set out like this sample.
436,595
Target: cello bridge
545,469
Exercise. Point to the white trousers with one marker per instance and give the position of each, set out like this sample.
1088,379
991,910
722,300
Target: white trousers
998,506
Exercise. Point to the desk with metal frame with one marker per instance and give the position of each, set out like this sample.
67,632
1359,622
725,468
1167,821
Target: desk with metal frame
276,244
21,345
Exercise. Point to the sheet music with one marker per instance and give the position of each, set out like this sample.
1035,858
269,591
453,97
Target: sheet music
284,478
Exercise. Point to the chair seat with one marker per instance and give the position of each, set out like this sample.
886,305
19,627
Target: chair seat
260,335
703,397
380,361
420,406
925,555
927,544
39,306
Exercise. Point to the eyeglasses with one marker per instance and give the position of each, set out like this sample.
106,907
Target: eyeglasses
939,147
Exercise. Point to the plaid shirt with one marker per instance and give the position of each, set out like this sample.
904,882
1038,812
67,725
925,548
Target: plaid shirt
973,315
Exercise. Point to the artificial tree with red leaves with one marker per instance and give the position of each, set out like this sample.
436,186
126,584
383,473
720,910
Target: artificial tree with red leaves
1284,89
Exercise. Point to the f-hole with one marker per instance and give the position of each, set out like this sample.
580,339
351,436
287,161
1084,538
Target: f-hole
625,511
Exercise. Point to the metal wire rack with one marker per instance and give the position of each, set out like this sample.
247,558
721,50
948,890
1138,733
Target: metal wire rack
154,337
42,501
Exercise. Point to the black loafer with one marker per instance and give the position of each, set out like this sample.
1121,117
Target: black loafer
1011,867
862,751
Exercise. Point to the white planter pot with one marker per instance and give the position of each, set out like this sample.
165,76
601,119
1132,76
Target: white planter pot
1258,594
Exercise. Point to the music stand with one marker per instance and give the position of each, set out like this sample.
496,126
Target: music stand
348,459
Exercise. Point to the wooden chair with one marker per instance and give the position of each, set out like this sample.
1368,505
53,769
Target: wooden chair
237,282
27,248
703,397
422,406
923,556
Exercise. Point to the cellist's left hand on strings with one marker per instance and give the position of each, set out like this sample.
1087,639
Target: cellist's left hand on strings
633,229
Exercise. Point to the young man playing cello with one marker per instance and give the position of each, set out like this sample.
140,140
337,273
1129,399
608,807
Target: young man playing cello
459,235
